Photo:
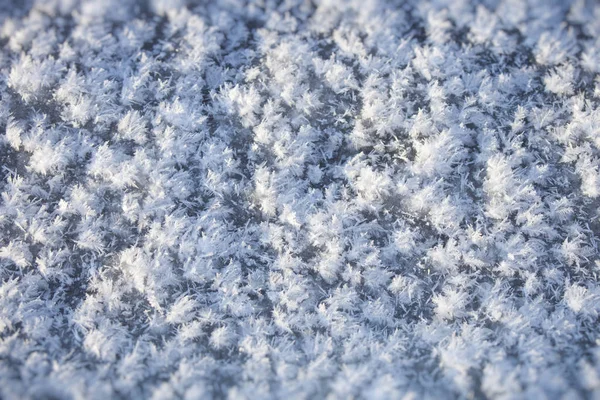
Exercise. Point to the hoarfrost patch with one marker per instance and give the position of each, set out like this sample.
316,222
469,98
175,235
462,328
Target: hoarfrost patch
302,199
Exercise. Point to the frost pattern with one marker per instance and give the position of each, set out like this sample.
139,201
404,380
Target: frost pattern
299,199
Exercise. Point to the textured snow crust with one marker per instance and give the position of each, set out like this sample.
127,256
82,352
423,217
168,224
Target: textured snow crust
299,199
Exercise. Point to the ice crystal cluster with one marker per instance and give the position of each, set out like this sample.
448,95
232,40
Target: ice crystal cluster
299,199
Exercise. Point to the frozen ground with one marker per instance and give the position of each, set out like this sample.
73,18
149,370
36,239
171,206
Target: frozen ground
299,199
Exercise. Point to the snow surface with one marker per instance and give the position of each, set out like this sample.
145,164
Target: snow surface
299,199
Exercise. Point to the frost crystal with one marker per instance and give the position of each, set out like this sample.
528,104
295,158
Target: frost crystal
375,199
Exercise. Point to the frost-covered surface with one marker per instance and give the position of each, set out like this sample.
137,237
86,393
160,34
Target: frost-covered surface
299,199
